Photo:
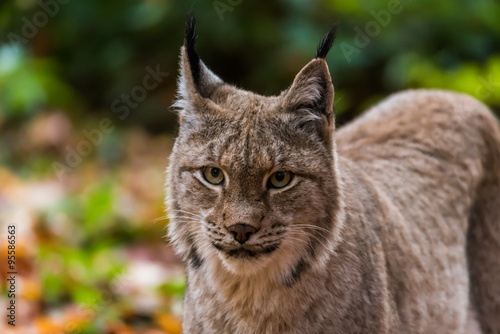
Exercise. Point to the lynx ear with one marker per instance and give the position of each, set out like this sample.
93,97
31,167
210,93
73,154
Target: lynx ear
196,81
310,98
312,91
311,94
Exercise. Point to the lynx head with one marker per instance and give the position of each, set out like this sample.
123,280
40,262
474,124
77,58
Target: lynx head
252,181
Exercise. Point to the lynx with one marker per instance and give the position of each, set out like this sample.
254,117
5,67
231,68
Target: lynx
390,224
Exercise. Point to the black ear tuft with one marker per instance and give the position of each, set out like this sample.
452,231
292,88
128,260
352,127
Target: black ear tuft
327,42
189,41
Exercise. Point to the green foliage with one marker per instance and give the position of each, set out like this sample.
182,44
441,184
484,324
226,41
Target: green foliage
27,84
174,287
77,273
98,208
478,80
91,52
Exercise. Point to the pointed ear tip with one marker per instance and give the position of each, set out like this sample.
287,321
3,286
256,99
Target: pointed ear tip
317,64
326,43
190,33
188,51
190,20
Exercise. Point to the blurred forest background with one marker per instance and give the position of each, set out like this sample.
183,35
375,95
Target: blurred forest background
86,126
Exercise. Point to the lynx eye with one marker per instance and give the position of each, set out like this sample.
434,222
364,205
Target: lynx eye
213,175
280,179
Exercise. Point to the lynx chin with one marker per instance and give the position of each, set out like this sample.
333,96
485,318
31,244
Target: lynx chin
390,224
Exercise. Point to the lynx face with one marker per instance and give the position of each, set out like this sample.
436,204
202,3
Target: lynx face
251,177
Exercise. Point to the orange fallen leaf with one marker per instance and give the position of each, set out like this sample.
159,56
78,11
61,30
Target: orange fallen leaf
31,290
169,323
120,328
75,319
46,325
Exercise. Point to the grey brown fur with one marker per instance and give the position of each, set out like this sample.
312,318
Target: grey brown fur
390,225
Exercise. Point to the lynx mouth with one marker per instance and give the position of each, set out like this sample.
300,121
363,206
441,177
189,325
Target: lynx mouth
245,253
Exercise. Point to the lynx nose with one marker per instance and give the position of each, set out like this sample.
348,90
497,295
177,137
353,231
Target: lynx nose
241,232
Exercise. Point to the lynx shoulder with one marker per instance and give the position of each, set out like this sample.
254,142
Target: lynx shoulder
390,224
